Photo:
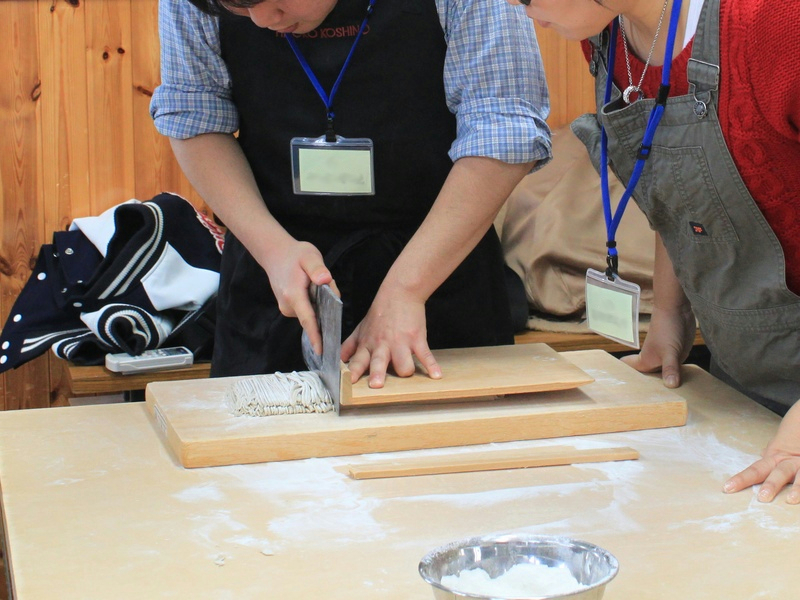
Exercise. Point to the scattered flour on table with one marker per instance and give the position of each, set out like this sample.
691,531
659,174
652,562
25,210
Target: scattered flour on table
249,541
759,514
601,376
200,493
520,581
66,481
296,512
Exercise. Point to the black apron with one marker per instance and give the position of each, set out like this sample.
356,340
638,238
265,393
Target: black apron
392,93
727,258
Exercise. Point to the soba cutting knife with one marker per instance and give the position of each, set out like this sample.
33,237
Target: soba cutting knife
328,365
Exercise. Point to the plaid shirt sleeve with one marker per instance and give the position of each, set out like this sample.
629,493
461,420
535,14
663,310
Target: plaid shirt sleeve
493,75
494,82
195,92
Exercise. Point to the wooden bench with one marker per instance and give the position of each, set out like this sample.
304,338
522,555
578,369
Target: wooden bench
77,381
562,342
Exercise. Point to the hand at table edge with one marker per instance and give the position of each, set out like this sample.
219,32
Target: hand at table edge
778,466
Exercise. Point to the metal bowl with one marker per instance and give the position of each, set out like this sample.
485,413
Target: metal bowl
590,565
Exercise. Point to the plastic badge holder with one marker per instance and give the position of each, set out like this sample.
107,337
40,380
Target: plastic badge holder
343,167
612,307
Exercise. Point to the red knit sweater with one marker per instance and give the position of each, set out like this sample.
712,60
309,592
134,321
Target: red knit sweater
759,107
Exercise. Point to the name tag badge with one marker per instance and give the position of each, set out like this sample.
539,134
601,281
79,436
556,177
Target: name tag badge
612,307
340,168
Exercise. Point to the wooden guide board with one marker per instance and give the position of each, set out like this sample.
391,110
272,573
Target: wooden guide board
472,373
200,431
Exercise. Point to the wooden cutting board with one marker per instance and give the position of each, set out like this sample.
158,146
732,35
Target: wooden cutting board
201,432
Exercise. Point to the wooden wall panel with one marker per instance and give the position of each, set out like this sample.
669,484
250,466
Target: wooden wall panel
571,86
65,120
64,124
20,172
156,169
109,84
77,138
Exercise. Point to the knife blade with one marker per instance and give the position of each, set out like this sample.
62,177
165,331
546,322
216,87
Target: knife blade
328,310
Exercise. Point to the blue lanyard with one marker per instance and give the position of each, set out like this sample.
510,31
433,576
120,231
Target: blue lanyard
612,223
330,135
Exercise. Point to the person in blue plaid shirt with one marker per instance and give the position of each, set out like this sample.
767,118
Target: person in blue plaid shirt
368,143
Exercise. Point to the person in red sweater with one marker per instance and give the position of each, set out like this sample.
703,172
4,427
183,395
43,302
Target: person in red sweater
719,183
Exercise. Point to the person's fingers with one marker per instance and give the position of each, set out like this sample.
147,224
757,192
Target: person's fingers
311,263
671,371
635,361
349,347
378,364
773,484
428,361
782,474
358,363
308,321
316,270
752,475
793,497
670,367
403,362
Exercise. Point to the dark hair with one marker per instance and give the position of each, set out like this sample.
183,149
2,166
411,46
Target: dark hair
216,8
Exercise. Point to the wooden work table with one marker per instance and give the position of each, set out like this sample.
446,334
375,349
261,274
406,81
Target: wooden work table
96,507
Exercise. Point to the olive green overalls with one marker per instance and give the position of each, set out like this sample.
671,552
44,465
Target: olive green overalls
727,258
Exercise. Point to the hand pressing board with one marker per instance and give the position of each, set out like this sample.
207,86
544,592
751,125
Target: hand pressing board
487,461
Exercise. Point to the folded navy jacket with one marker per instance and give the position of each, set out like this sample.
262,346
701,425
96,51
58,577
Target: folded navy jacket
132,279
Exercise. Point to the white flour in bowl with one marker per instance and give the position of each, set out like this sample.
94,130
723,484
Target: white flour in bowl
520,581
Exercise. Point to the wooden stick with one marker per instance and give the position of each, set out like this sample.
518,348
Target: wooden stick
488,461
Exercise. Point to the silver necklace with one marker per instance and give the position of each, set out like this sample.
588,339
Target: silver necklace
637,89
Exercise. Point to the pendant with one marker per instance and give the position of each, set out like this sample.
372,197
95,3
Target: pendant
632,89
